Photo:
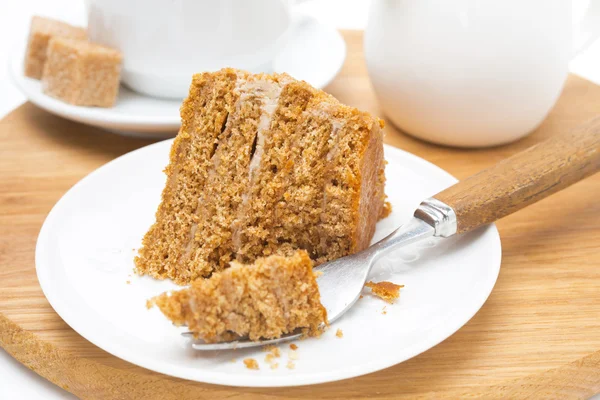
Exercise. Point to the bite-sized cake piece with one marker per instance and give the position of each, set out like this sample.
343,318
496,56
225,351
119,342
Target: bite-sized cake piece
385,290
82,73
274,296
41,31
264,164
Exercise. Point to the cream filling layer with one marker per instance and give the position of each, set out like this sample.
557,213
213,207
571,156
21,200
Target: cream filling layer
214,162
271,92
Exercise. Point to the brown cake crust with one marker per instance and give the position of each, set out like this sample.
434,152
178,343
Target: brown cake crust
352,201
274,296
372,201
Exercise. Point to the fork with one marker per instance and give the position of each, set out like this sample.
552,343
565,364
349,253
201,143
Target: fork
483,198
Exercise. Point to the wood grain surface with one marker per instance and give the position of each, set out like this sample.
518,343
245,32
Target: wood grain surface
526,177
537,336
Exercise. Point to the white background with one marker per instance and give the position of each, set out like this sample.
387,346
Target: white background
16,381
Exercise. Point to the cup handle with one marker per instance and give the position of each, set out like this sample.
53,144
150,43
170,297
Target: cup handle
588,29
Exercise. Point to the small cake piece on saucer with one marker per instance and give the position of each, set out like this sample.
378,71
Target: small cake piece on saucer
41,31
82,73
274,296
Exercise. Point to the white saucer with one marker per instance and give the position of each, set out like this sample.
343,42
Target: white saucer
84,259
314,53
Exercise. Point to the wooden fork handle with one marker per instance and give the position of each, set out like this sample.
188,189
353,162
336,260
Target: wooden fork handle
525,178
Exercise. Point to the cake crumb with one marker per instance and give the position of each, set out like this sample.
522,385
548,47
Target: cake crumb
290,365
361,296
128,282
293,355
293,346
339,333
318,273
274,350
269,358
233,360
275,366
387,208
251,363
387,291
383,311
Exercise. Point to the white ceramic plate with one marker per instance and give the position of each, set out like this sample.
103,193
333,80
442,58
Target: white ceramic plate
314,53
84,258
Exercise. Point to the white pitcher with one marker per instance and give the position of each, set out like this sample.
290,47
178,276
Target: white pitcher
471,73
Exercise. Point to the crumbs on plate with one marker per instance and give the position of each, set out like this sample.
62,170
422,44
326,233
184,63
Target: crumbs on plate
251,363
269,358
273,350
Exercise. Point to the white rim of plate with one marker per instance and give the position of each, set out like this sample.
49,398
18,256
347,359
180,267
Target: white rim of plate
62,308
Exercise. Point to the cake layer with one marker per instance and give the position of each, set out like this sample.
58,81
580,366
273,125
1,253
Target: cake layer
204,115
298,213
353,195
238,154
264,165
274,296
315,195
254,231
372,204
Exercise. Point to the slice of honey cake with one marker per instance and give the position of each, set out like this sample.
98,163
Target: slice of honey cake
262,165
274,296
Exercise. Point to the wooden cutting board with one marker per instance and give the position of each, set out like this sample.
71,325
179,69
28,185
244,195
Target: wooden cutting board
538,335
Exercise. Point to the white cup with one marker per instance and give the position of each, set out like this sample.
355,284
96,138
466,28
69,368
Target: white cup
164,42
471,73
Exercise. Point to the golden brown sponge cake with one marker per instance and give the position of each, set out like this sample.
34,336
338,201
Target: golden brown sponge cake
274,296
264,164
